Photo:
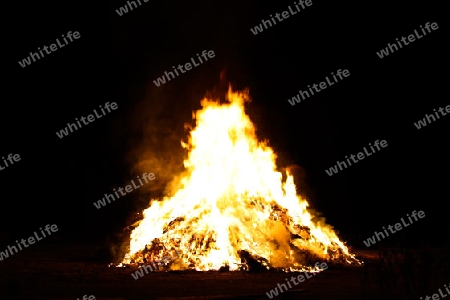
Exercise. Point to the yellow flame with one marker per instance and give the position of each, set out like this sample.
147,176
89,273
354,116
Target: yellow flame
232,199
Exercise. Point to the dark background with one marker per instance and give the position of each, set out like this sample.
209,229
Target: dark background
118,57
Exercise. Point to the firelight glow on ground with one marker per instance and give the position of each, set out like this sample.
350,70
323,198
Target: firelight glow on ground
232,198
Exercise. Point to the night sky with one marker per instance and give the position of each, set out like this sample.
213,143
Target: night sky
117,58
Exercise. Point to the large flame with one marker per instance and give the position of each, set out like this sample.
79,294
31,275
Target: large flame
231,201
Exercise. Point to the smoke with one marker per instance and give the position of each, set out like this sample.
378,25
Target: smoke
157,126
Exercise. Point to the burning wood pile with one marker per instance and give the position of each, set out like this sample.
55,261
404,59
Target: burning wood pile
232,207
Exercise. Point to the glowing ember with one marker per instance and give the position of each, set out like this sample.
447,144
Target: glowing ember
232,205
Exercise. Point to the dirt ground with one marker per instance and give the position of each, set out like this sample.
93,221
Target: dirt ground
66,271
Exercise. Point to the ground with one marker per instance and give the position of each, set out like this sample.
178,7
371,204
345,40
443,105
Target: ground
58,270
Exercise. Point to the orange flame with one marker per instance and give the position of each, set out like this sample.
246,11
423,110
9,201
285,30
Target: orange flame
231,200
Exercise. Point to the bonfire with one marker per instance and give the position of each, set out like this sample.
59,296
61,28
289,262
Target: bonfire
232,207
